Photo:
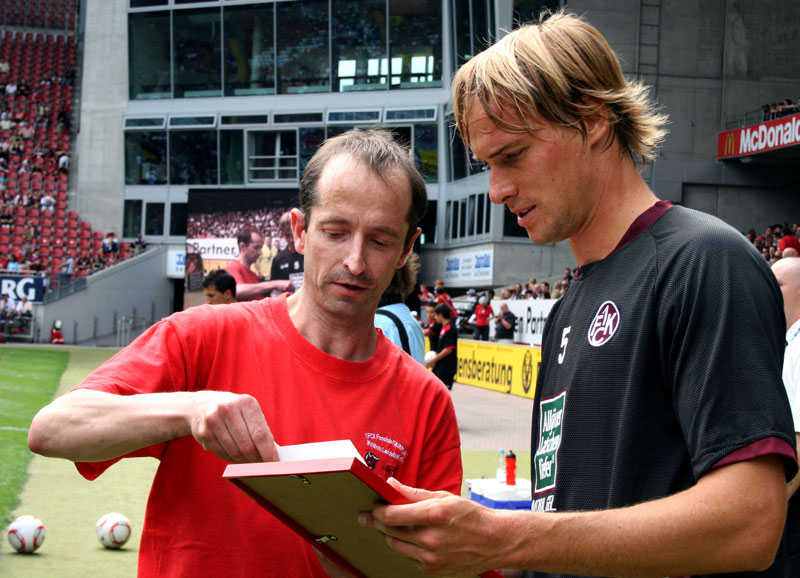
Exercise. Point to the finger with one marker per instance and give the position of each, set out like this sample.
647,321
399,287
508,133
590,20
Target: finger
248,435
415,494
259,434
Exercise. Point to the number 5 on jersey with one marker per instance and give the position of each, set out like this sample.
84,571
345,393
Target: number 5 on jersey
564,341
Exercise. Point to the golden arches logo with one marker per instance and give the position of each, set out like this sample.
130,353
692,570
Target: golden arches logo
730,146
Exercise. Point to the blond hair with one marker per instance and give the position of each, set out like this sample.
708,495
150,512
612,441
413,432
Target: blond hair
559,71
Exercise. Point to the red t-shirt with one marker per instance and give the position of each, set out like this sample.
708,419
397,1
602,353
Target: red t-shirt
241,273
482,314
198,524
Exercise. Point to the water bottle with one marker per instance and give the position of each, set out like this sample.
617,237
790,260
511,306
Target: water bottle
511,469
501,467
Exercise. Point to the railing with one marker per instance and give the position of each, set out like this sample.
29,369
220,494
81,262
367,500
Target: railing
126,326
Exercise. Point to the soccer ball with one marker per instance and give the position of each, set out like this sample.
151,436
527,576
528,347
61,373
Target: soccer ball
26,534
430,355
113,530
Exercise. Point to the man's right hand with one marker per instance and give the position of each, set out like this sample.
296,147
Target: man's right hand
233,427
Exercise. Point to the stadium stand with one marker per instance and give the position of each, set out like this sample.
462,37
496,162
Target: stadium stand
37,72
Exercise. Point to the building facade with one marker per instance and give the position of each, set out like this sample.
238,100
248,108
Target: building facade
223,95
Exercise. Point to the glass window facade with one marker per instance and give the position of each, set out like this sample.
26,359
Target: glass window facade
154,219
473,28
303,44
231,157
470,217
415,48
132,218
287,47
177,219
358,45
426,151
272,155
146,157
197,49
249,50
193,157
149,55
529,10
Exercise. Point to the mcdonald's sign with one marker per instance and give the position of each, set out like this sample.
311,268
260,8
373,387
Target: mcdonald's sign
775,134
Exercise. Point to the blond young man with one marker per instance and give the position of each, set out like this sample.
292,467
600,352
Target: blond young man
662,440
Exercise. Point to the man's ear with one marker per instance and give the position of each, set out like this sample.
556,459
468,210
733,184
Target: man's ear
597,124
407,251
299,230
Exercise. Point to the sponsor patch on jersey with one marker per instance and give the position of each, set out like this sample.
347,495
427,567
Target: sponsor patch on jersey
604,325
545,460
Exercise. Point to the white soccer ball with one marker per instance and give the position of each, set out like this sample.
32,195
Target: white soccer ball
113,530
430,355
26,534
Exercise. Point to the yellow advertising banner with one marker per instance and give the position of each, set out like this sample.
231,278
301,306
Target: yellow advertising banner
505,368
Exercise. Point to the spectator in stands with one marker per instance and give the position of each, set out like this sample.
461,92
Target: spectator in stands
63,121
47,202
139,244
219,287
7,309
26,131
63,162
248,285
11,88
84,263
789,240
24,89
98,262
23,308
504,325
67,270
13,263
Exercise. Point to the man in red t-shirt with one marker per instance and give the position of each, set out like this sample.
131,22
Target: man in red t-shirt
249,286
216,385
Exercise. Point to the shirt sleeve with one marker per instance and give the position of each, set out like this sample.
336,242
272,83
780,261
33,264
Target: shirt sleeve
723,339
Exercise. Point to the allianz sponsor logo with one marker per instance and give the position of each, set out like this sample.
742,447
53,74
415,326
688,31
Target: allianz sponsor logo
764,137
483,261
452,264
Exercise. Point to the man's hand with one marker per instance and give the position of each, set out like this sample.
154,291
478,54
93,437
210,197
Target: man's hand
444,535
233,427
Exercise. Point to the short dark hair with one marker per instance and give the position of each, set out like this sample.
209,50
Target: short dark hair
380,152
245,236
443,309
221,280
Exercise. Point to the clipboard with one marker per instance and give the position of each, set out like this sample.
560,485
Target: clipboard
320,500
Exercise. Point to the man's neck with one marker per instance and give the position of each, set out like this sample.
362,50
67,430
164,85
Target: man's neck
622,196
351,338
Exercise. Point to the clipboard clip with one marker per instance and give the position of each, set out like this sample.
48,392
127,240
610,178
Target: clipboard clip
323,539
302,479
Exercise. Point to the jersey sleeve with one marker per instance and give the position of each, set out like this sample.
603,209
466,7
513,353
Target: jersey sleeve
722,341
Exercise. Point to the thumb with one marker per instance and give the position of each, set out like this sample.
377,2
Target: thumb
414,494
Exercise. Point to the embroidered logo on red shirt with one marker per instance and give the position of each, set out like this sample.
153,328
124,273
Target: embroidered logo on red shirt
604,325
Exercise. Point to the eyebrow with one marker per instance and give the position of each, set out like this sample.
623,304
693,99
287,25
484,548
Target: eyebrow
391,231
500,151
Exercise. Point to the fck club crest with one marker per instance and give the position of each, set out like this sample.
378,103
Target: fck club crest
604,325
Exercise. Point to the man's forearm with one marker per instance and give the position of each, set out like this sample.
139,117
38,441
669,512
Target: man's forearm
730,521
90,426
